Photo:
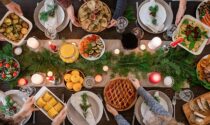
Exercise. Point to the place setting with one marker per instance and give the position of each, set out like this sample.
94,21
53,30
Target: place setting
131,64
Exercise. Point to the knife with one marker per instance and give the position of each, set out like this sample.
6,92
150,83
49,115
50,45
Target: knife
107,117
63,99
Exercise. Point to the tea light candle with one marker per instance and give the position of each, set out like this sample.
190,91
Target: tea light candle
49,73
155,77
52,46
98,78
18,51
105,68
154,43
168,81
142,47
22,81
117,51
33,43
37,79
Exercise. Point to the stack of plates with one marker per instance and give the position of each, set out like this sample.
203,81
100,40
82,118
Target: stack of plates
62,19
164,15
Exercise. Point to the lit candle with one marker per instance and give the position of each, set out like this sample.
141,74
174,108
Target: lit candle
74,43
168,81
18,51
49,73
98,78
22,81
155,77
117,51
142,47
53,47
105,68
154,43
32,43
37,79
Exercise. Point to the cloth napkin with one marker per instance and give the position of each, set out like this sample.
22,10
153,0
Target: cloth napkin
154,28
76,100
52,21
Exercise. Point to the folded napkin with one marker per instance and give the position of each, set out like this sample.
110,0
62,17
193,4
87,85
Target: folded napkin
154,28
52,21
76,100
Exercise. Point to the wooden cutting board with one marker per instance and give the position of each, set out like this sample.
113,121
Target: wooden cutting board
188,111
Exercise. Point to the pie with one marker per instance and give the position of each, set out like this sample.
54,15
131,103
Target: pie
94,16
120,94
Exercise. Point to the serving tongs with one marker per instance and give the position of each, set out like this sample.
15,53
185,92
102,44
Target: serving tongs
175,43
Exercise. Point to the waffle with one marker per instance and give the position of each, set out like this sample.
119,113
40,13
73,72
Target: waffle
120,94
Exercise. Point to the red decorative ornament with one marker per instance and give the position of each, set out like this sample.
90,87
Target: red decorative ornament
22,81
154,77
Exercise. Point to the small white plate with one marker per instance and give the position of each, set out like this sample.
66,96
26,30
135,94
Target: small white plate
96,107
60,16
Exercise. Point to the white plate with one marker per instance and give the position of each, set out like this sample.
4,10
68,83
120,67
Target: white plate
60,16
202,46
40,93
19,98
168,20
96,107
145,16
197,12
22,41
93,58
140,100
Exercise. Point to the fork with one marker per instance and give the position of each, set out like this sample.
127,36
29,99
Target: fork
174,105
63,99
107,117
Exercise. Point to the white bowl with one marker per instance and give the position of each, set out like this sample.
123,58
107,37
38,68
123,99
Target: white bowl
22,41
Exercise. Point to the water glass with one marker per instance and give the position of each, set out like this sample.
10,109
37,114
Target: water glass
51,32
169,32
122,23
186,95
28,90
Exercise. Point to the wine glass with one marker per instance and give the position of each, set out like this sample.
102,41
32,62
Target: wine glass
186,95
138,32
169,32
122,23
28,90
51,32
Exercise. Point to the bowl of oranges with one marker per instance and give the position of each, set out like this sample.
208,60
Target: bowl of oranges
73,80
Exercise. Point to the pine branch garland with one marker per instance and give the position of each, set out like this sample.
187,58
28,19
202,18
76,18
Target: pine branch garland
170,64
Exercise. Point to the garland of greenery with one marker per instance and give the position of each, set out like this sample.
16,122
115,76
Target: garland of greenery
177,63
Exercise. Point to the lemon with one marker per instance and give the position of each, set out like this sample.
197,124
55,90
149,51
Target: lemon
77,87
67,77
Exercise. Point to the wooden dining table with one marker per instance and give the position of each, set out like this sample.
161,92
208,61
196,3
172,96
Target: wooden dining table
28,7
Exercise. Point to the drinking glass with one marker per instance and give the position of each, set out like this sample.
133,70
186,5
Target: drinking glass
51,32
138,32
186,95
169,32
122,23
28,90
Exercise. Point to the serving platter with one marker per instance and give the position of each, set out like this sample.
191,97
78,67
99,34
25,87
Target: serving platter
187,109
207,22
167,22
40,25
200,24
139,105
96,106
